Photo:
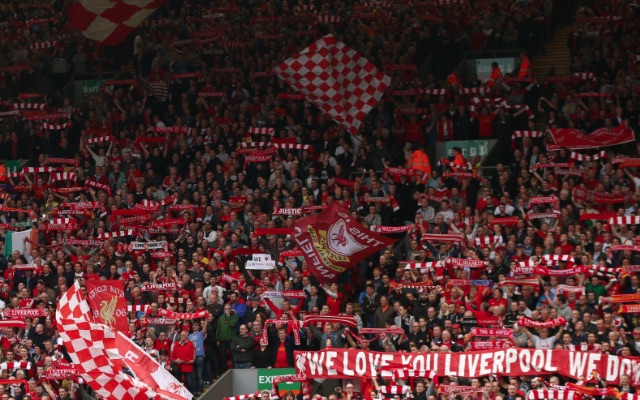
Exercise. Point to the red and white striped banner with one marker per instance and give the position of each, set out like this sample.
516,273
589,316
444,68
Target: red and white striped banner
15,365
445,237
595,347
585,158
247,145
233,44
553,259
29,106
630,220
304,9
138,308
413,373
487,240
585,76
99,139
541,394
429,265
36,170
291,146
527,134
395,389
113,235
250,396
44,45
262,131
65,176
604,271
328,19
482,91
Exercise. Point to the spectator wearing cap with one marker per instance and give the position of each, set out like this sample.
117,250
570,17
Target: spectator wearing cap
253,308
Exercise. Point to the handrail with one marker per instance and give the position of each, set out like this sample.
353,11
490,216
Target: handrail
492,53
95,75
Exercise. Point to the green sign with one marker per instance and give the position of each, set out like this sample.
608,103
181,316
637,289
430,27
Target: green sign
265,380
470,148
12,165
92,86
483,66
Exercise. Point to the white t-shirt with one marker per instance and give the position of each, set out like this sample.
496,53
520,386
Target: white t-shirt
544,344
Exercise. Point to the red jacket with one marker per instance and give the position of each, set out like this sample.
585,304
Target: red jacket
185,352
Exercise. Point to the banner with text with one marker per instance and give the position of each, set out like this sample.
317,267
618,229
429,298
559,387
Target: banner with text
349,363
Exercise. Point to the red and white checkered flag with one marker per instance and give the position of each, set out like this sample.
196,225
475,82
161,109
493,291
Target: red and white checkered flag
95,352
109,21
338,80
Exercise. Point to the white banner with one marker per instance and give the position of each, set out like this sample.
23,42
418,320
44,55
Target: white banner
261,261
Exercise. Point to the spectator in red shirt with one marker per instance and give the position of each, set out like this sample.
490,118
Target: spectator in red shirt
183,356
498,300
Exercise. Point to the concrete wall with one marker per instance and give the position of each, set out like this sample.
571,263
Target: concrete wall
233,383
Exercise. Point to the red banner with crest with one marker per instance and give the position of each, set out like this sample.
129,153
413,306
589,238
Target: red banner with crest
333,242
107,301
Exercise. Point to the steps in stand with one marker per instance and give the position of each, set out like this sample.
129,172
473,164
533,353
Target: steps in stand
557,56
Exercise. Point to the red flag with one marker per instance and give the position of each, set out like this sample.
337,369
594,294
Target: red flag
575,140
333,242
107,301
149,371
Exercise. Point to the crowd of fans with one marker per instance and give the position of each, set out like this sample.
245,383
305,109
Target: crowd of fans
233,47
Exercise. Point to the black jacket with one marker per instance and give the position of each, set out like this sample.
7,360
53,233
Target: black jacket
242,349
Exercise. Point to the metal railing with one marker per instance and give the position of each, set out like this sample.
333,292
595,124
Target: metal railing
95,75
472,55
